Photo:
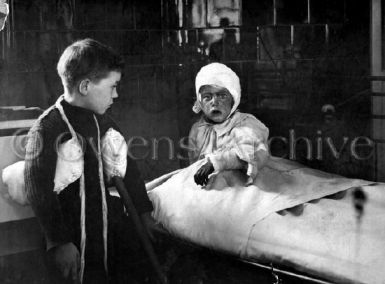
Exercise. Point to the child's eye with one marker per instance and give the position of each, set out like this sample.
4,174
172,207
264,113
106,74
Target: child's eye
207,96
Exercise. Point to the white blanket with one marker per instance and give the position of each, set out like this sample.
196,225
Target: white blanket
327,240
231,217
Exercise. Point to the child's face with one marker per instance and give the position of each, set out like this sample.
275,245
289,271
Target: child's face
100,94
216,102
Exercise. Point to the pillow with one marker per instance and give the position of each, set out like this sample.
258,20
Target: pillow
13,178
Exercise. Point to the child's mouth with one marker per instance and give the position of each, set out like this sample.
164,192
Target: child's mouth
216,112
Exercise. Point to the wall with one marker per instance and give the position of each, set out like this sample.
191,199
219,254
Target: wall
378,87
290,64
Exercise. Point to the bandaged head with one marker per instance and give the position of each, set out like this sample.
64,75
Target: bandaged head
220,75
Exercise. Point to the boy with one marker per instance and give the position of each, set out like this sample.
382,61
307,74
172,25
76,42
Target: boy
81,232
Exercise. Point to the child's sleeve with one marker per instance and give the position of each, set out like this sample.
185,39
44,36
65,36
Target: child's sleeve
193,154
248,148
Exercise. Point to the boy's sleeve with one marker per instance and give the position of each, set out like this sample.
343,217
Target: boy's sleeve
40,162
132,180
136,188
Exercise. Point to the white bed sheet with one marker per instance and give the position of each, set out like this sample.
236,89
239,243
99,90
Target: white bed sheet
323,240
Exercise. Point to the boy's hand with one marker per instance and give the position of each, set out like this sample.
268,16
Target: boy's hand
67,259
201,177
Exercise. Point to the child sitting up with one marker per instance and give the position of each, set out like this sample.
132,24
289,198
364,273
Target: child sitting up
244,187
228,138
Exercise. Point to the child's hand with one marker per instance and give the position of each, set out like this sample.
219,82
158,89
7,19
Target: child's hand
201,177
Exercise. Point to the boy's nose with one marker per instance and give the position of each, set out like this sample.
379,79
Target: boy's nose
115,94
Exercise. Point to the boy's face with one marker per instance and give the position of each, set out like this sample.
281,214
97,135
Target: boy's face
100,94
216,102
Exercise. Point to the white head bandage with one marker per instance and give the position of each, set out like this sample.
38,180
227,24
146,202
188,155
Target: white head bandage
222,76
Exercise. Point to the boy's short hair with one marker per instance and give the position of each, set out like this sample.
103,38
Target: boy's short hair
87,58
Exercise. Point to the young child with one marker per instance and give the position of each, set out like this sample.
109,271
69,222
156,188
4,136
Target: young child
73,149
245,187
227,138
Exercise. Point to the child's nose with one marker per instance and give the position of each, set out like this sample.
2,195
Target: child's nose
215,99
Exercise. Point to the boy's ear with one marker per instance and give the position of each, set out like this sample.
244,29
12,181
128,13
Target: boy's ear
84,86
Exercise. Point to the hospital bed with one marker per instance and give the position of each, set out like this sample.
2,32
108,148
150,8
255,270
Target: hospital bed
339,238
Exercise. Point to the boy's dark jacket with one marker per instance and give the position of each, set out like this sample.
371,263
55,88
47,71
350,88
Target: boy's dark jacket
59,214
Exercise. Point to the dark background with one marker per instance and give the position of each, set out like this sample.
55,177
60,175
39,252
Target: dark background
288,68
